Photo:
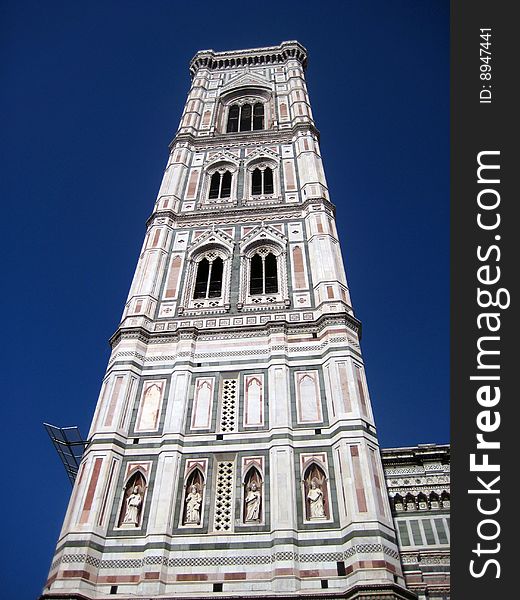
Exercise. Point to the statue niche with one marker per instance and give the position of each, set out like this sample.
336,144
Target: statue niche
252,497
193,499
131,508
316,501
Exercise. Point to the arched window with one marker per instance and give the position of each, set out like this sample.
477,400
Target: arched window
258,116
245,117
208,283
220,185
233,117
262,182
264,274
246,112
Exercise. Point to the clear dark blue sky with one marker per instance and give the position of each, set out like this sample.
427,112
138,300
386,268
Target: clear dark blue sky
92,93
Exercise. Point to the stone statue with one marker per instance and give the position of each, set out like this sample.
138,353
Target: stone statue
315,496
133,505
253,500
193,502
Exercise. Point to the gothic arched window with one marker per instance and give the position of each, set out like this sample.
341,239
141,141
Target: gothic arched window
258,116
263,275
245,117
208,283
262,182
233,117
220,185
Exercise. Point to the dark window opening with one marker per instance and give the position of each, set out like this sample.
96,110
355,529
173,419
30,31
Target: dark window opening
264,275
268,181
341,568
262,182
317,431
271,276
324,584
201,283
232,124
257,279
245,117
226,185
214,185
113,589
220,436
208,283
217,587
215,282
258,116
256,182
220,185
136,440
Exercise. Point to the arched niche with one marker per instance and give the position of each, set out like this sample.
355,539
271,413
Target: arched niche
398,503
410,502
422,501
130,514
434,501
316,493
253,497
193,499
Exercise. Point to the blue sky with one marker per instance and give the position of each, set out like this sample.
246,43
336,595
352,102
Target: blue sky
92,94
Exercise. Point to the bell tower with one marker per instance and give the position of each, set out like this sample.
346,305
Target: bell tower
233,450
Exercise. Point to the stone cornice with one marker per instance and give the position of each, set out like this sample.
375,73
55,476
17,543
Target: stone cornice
416,454
245,137
233,213
147,336
233,59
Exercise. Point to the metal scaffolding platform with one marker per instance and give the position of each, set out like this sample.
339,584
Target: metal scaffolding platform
69,445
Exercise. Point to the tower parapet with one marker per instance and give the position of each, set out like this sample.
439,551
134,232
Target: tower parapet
251,57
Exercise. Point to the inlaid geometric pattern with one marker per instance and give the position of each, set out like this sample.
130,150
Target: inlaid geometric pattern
210,561
228,405
224,497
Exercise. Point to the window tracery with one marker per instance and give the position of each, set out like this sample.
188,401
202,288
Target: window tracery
245,117
208,277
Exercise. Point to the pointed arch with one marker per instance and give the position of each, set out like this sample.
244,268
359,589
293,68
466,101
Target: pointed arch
434,501
253,496
422,501
398,503
173,277
316,493
193,498
299,269
131,511
150,405
410,502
